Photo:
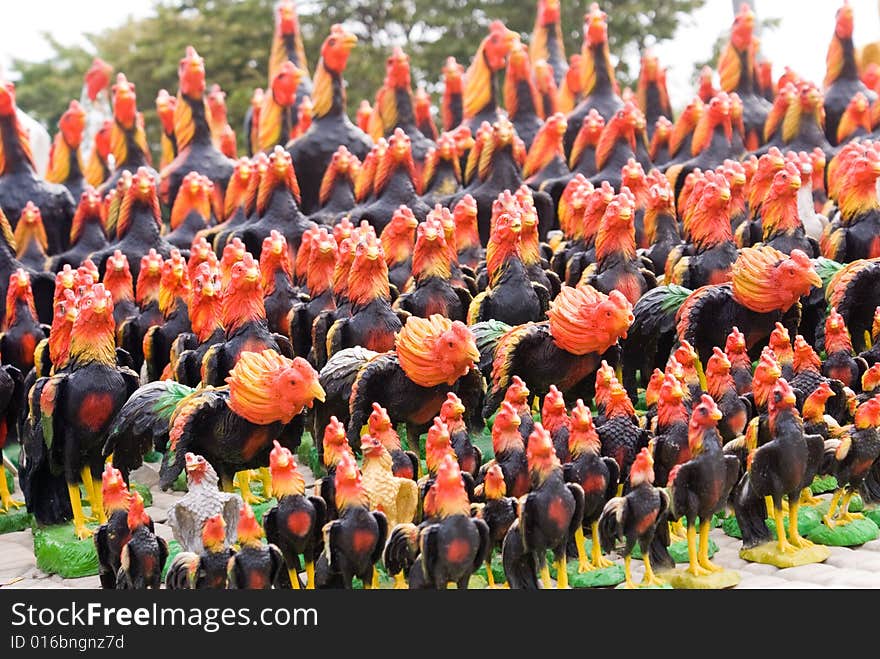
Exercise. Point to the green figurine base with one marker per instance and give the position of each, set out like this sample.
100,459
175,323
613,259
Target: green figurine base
601,578
808,519
153,457
852,534
856,505
769,554
59,551
823,484
307,455
683,580
174,549
16,519
679,550
179,485
261,508
497,570
873,514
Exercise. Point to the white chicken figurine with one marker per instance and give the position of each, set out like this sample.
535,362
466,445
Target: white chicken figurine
203,501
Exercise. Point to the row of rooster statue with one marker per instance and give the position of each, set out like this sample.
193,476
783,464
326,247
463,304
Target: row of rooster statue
577,254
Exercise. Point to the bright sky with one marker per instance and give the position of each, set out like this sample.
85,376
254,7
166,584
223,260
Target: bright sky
800,42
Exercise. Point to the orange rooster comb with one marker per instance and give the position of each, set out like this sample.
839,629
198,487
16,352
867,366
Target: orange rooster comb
334,442
137,516
115,493
286,480
97,78
250,533
642,470
540,454
191,74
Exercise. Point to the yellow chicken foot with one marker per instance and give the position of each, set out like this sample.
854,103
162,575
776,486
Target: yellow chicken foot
794,536
6,500
677,531
828,518
294,578
79,520
868,340
627,573
400,581
562,573
242,479
807,498
845,516
375,583
581,542
694,566
650,579
703,556
545,577
266,479
310,576
782,542
599,561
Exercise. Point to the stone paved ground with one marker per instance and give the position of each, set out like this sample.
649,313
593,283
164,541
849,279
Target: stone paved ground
845,568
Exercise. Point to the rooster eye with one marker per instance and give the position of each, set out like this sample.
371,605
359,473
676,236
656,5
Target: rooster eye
332,42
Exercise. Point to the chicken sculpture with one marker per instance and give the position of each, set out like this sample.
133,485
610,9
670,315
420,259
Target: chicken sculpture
232,426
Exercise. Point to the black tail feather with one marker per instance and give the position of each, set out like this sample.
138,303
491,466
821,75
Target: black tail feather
519,565
751,511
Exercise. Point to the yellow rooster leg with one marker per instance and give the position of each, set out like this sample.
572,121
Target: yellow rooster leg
375,583
868,341
703,556
828,518
242,479
794,536
6,500
694,566
620,489
294,579
599,561
310,576
545,577
89,484
807,498
771,509
627,573
845,516
265,477
650,579
782,542
562,573
581,542
400,581
98,505
79,520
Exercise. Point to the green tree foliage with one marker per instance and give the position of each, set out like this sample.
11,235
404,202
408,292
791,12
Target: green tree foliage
234,36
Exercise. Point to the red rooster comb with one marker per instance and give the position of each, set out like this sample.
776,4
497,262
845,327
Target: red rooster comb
137,516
